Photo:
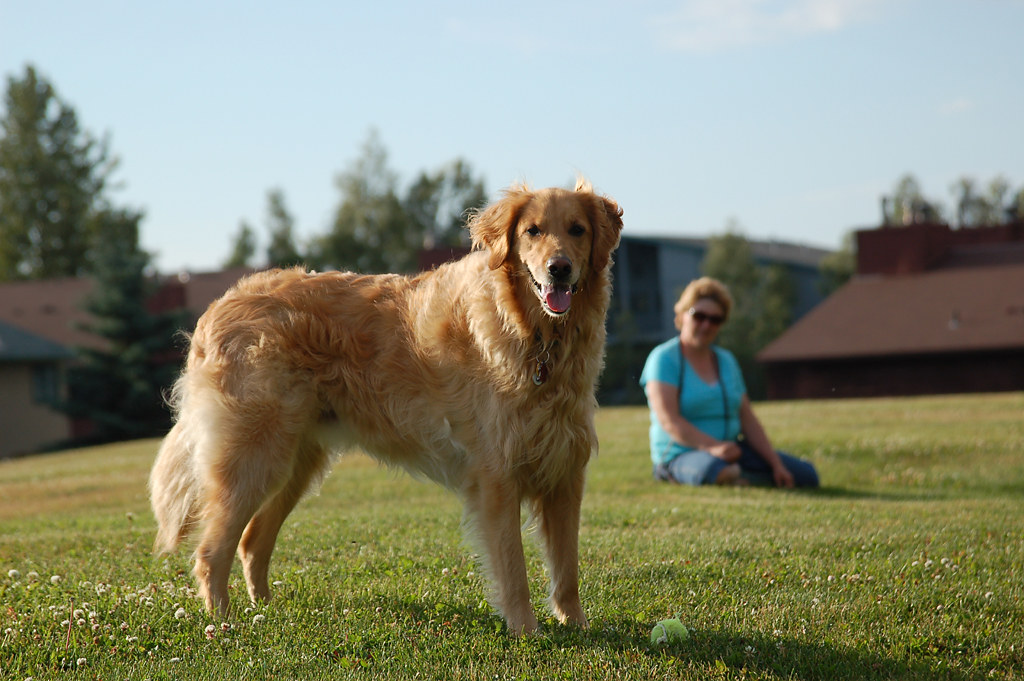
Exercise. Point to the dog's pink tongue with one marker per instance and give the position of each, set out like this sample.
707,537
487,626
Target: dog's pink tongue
558,298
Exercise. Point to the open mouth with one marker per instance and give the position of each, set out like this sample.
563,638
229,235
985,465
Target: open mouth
557,298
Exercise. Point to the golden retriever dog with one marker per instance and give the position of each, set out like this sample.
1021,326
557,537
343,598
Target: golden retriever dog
479,375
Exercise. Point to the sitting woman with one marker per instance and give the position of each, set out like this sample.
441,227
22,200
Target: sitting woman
700,409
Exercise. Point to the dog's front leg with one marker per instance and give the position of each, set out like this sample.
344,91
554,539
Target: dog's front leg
494,503
559,527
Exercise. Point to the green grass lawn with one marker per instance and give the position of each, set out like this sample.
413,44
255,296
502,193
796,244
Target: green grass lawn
907,564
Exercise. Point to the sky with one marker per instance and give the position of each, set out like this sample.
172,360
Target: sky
780,119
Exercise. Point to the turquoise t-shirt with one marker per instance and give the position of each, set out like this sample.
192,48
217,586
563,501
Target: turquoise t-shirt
699,403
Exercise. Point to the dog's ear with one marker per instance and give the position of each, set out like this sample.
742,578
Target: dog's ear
494,227
606,217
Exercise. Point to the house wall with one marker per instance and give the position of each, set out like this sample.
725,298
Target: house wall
26,425
897,376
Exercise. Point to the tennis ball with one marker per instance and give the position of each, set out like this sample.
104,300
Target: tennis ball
669,631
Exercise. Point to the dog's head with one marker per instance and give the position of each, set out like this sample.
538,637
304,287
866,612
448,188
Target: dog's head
559,238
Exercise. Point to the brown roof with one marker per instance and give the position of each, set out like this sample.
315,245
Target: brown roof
50,308
948,310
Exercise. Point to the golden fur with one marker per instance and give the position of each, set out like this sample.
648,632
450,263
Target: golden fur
432,373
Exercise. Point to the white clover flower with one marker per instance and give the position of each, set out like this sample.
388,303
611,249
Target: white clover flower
211,631
258,618
81,661
14,574
32,576
180,614
55,579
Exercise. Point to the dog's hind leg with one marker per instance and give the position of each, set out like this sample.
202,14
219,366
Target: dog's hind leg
260,534
244,472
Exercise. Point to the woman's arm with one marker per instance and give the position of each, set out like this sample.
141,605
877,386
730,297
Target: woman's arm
664,401
758,439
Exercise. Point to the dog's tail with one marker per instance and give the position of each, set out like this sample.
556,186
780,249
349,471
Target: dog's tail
175,487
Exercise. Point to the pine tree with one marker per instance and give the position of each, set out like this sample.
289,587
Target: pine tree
119,387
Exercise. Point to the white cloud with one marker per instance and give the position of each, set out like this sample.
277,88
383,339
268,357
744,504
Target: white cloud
714,25
956,106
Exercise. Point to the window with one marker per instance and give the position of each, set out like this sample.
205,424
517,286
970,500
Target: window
45,389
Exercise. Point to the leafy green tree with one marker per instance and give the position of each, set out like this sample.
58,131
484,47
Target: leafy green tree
1015,208
763,300
376,230
977,209
730,259
281,252
907,204
369,229
119,385
52,181
243,249
437,203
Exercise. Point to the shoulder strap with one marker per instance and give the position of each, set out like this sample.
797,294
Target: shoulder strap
721,385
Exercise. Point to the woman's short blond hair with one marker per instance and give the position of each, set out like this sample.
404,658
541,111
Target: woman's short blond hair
698,289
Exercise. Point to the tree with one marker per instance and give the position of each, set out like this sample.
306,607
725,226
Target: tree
1015,208
375,230
368,233
244,248
763,299
437,203
119,385
52,181
907,205
975,209
281,252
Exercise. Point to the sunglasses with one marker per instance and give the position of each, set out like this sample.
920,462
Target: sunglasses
713,319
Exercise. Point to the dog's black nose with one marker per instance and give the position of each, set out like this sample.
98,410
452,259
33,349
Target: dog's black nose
560,268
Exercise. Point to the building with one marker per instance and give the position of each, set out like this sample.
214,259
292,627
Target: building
931,310
31,381
40,327
648,276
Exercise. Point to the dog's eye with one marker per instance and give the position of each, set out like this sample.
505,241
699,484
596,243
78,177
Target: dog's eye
577,229
534,230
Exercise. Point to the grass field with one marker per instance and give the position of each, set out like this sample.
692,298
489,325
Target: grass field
907,564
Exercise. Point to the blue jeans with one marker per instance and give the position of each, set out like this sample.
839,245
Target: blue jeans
701,468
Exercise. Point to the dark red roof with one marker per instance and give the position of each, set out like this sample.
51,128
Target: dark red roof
940,311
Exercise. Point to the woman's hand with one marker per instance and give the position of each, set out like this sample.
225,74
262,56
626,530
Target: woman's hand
782,476
729,452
